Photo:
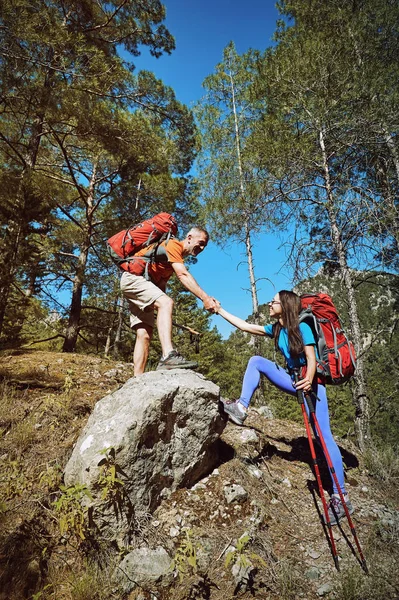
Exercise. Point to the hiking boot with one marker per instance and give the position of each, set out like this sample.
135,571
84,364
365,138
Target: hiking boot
174,360
336,510
235,411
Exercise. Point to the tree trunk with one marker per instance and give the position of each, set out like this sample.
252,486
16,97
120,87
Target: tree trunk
108,341
72,331
360,397
118,335
248,243
392,209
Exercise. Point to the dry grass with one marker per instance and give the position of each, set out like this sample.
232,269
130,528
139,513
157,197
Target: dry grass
38,427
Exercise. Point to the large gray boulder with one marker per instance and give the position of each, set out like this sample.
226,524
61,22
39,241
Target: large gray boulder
161,431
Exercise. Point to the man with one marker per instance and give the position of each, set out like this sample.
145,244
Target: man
143,296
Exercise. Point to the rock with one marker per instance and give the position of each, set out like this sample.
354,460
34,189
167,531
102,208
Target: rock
324,589
141,567
265,411
199,486
248,435
235,493
255,472
243,573
313,573
111,373
163,429
314,554
205,553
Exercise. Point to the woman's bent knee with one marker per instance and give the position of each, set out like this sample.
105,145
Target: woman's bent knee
258,361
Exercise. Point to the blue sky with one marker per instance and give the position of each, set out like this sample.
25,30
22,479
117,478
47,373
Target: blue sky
202,29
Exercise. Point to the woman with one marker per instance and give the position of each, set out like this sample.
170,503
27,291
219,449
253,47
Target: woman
297,344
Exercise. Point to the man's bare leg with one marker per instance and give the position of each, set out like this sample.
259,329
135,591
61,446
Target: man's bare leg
141,348
164,305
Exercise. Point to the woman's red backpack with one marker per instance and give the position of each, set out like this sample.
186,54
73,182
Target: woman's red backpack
337,357
124,245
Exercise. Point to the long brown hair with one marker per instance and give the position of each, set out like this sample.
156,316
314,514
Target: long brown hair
291,307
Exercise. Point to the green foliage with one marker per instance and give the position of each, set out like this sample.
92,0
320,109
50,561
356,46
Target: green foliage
23,434
238,554
70,510
93,584
14,481
352,585
110,485
8,397
51,477
184,562
287,580
42,593
383,463
241,554
69,382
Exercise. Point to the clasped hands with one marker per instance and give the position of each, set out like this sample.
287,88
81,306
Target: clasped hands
211,304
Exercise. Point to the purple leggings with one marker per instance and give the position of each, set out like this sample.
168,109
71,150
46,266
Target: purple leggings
258,365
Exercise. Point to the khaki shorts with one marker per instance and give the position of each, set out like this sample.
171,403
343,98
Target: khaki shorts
141,295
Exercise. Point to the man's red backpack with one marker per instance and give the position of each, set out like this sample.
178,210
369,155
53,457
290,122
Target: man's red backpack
124,245
337,357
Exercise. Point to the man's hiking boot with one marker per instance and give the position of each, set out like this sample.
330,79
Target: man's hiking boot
174,360
336,509
235,411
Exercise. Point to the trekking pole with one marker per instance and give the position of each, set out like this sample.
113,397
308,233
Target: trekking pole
301,400
194,335
312,411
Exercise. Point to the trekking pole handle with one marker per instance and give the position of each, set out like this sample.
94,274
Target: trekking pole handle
303,396
299,393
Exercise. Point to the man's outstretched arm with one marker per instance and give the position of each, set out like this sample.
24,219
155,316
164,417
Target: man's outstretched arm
192,286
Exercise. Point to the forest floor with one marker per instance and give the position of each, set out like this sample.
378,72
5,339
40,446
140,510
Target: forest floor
46,399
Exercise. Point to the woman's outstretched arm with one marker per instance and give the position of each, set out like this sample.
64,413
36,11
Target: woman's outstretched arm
240,323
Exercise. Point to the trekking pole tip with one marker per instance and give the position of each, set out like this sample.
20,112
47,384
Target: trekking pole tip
336,563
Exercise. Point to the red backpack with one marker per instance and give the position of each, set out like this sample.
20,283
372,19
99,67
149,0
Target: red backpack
124,245
337,357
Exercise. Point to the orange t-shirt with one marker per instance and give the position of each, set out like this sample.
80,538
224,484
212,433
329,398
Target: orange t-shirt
170,252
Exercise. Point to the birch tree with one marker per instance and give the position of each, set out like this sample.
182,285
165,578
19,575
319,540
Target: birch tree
234,198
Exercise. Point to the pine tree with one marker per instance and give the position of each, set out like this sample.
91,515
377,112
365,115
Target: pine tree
76,115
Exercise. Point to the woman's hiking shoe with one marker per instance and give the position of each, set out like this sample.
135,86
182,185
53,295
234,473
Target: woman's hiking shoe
235,411
174,360
336,510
